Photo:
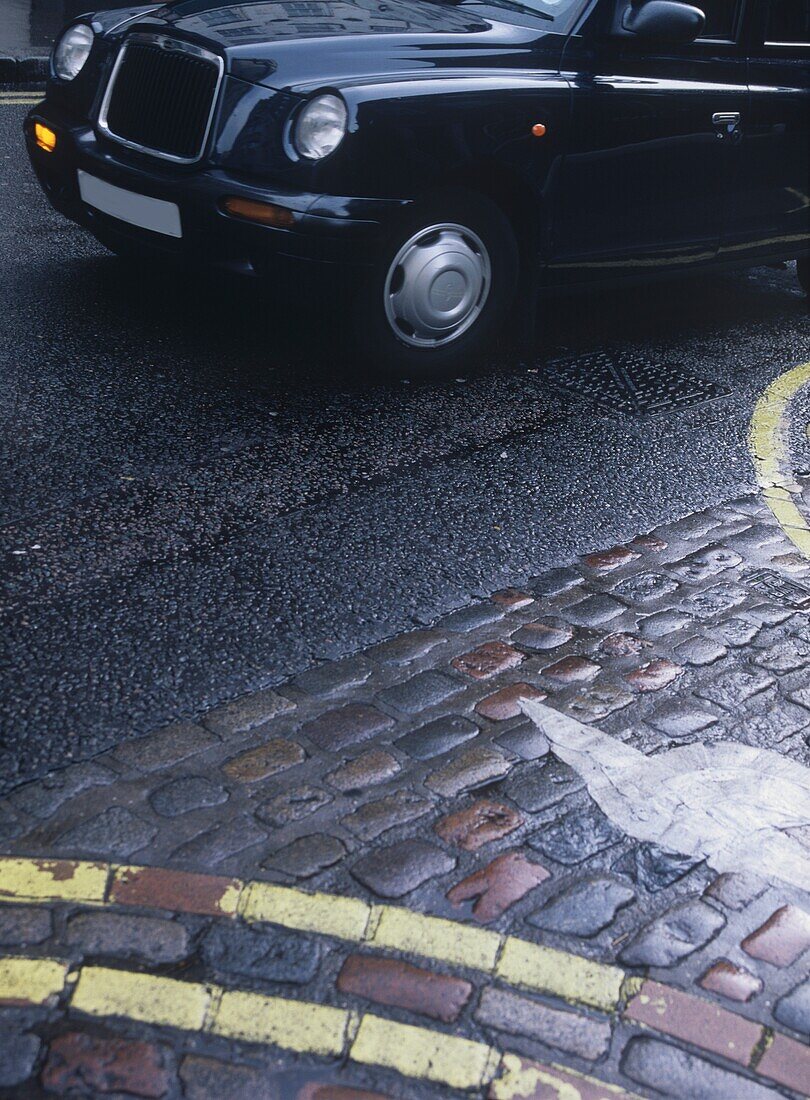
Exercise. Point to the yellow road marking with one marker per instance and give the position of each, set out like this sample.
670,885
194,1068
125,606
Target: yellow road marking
145,997
768,445
388,927
31,981
521,1080
436,938
300,1026
420,1052
570,977
53,880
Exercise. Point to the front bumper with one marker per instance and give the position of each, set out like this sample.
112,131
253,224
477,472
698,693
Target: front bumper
328,230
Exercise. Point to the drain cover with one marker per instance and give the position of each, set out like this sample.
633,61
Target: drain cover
778,588
629,382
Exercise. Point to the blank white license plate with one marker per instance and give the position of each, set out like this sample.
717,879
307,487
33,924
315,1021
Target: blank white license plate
141,210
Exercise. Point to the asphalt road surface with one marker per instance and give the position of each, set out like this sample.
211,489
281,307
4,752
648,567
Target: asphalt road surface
197,503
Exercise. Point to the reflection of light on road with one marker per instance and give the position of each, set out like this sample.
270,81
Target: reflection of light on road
768,444
733,805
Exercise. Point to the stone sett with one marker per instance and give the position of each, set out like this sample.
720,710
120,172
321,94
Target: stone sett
401,985
585,1036
398,869
544,635
215,845
645,588
731,981
622,644
292,805
605,561
468,769
407,648
123,936
183,891
594,611
662,623
116,831
697,1021
84,1064
262,953
700,651
334,677
369,769
505,703
206,1078
478,824
43,798
555,581
733,687
681,718
24,925
425,689
437,737
584,908
735,890
654,868
576,836
337,729
19,1052
650,1062
596,702
542,786
374,818
181,796
787,1062
165,747
572,670
473,617
307,855
654,676
525,741
488,660
247,713
274,756
674,935
783,937
496,887
793,1010
512,599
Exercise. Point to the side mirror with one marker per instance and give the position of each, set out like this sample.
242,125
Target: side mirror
664,20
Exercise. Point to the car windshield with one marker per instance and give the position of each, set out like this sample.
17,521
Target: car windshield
552,10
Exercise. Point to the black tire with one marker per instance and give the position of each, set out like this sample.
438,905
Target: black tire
803,272
385,349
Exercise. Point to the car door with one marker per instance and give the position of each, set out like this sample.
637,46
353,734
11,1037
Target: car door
655,146
774,208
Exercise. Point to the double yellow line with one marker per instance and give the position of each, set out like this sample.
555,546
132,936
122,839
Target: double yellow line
20,99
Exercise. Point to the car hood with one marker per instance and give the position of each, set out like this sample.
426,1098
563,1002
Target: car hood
282,43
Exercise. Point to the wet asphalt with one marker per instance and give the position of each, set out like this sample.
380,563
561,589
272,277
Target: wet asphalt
197,502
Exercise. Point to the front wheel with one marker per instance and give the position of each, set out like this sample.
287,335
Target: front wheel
441,290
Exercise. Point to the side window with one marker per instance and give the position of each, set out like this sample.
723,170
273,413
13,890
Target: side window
788,21
721,18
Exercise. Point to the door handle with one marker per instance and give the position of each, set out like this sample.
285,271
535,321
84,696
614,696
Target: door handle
726,122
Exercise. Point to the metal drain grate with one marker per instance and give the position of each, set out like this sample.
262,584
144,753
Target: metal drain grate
629,382
778,589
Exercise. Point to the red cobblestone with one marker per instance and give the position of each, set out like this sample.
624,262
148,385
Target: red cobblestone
529,1080
478,824
734,982
706,1025
397,983
783,937
654,676
323,1090
572,670
274,756
83,1065
180,891
488,660
498,885
505,703
623,645
605,561
788,1062
648,542
204,1078
512,598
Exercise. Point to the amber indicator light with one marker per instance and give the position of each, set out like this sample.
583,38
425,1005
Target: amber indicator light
538,130
44,137
266,213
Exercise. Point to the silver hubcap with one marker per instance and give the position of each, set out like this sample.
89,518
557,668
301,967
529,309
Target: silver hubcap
437,285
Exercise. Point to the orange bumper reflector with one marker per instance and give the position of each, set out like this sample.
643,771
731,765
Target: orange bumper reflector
538,130
267,213
44,137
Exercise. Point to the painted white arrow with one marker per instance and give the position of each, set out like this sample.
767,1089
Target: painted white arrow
734,805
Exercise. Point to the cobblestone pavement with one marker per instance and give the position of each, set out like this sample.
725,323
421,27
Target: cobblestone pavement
388,841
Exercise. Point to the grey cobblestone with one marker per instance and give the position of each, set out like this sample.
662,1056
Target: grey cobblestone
181,796
349,725
424,690
568,1031
292,805
266,954
575,836
654,868
397,870
594,611
223,840
585,908
44,798
437,737
165,747
793,1010
18,1055
471,618
247,713
307,855
115,831
733,687
673,936
668,1069
334,677
469,769
24,925
126,937
375,818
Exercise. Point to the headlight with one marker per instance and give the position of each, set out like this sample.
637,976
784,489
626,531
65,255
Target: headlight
320,127
72,50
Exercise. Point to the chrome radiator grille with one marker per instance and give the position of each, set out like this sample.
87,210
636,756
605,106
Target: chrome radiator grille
161,97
